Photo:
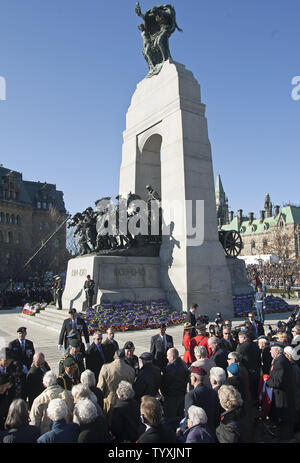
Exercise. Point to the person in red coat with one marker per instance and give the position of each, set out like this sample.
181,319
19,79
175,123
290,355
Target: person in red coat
200,340
186,342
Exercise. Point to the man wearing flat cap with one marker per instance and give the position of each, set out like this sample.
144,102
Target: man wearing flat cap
148,380
69,377
160,344
74,322
22,348
204,397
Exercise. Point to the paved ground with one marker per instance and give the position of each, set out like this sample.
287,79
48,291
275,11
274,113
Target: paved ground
46,339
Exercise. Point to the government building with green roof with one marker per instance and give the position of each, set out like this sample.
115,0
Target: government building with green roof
275,231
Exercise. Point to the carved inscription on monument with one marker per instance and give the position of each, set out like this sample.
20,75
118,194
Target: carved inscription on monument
129,271
82,272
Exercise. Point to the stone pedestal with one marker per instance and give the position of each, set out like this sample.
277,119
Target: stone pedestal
166,145
116,279
238,273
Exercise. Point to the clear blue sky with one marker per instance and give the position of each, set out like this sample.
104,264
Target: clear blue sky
71,67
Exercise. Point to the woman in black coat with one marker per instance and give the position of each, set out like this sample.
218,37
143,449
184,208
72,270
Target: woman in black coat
230,429
17,425
126,425
92,426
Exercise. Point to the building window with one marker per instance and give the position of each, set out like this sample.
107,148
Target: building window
6,218
12,219
39,205
19,238
44,205
18,221
1,237
10,238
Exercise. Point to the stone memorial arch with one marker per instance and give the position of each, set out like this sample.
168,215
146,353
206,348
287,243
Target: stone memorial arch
166,145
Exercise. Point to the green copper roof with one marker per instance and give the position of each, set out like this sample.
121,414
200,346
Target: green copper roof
290,214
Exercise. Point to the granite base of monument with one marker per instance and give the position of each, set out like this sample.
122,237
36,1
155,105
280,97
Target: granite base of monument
116,279
239,281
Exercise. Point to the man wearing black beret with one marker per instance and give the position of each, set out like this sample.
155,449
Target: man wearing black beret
22,348
129,357
75,354
69,377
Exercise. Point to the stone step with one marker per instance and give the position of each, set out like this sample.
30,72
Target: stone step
42,323
49,318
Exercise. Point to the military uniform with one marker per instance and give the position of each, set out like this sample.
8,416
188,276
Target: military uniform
66,382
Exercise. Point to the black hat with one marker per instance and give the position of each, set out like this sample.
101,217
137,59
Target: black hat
128,345
69,362
146,356
21,329
75,343
72,311
4,379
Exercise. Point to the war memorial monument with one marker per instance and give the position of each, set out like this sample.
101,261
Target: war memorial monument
158,239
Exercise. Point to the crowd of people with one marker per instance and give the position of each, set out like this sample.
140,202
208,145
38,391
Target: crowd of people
19,297
227,379
275,275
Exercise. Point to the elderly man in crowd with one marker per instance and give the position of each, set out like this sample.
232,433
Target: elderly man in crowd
61,431
110,346
34,380
38,412
202,361
203,397
218,352
197,431
217,377
95,356
283,401
174,384
265,352
110,376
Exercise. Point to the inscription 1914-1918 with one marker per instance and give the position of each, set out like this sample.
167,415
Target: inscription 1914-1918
129,271
79,272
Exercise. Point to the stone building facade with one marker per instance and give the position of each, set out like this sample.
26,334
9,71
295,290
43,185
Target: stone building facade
275,231
29,213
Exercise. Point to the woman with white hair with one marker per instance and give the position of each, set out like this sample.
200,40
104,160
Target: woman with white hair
217,377
200,352
38,412
125,418
18,429
92,427
88,379
61,431
198,431
80,392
